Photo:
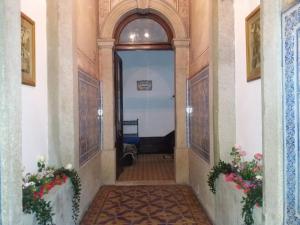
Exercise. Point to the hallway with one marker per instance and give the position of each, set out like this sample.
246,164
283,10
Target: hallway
210,87
145,205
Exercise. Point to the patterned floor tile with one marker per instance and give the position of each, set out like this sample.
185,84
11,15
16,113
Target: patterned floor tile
145,205
149,167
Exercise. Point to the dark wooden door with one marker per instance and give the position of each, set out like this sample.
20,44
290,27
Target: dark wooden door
118,112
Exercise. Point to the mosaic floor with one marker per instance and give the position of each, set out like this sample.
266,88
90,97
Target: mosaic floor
150,167
145,205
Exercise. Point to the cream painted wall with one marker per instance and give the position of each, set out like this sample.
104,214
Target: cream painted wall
86,36
199,59
35,99
87,60
248,94
199,35
198,180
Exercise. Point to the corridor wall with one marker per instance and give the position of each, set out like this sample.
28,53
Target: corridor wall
87,61
200,43
247,111
199,35
248,94
35,99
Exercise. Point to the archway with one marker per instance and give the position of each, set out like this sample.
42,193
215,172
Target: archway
181,47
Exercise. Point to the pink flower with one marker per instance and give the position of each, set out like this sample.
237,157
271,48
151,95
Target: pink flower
258,156
246,191
237,147
242,153
238,187
255,169
229,177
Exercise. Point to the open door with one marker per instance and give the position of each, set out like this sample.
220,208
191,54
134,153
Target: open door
118,113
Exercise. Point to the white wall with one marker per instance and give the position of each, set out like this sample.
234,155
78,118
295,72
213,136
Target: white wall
248,94
155,109
35,99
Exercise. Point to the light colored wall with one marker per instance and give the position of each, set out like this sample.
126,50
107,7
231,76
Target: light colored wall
248,94
64,25
200,13
86,36
199,35
35,99
198,180
87,60
154,109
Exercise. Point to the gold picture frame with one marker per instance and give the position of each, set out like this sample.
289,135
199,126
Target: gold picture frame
28,50
253,45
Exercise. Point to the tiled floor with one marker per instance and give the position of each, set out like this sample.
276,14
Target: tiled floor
153,167
145,205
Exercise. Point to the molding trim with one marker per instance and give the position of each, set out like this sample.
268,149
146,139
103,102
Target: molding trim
105,43
143,4
157,7
181,42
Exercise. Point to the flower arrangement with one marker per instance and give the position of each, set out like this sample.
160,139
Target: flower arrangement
35,186
247,175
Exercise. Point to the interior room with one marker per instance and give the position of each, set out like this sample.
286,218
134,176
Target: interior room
148,114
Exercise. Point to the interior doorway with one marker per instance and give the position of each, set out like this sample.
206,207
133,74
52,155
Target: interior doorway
144,100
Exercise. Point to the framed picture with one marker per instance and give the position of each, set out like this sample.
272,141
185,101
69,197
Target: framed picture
144,85
253,43
27,50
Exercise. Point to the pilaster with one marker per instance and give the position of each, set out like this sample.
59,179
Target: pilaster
181,73
10,114
108,155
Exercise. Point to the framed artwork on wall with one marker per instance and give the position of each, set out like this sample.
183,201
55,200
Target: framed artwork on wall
253,43
144,85
27,50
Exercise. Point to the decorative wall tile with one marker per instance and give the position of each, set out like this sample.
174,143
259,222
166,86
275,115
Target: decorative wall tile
199,117
89,120
291,63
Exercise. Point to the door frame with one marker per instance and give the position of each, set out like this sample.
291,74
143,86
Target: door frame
180,44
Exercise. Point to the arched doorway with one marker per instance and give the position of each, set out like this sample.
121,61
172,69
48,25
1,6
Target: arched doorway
144,100
180,44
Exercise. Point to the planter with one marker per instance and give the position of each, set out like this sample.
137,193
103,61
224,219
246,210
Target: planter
61,201
229,207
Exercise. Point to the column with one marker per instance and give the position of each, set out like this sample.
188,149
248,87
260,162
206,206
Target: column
181,74
10,113
272,110
108,155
